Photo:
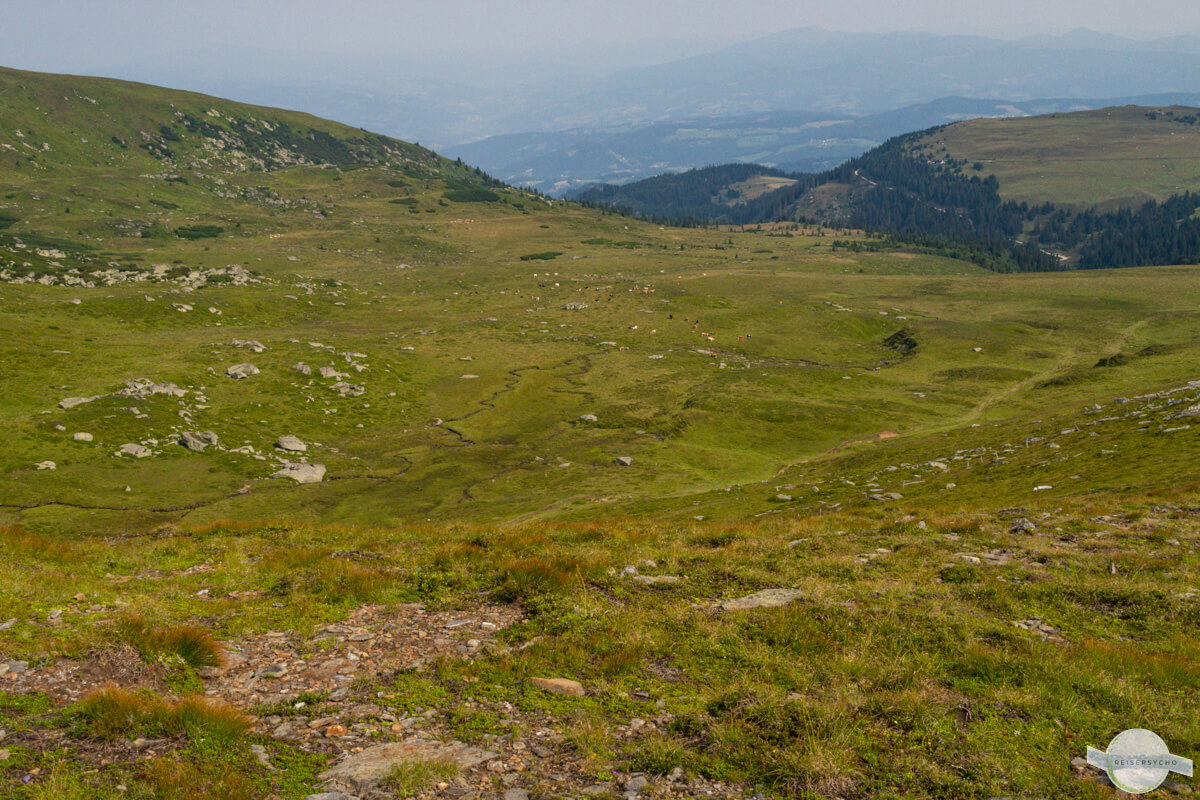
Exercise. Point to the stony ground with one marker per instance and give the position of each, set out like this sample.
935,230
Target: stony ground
318,692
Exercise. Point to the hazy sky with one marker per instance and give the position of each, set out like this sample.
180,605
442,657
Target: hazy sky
75,34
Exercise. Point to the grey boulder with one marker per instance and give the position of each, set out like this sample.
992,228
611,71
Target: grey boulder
302,473
239,371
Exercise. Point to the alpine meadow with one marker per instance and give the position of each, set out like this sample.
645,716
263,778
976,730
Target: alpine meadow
336,469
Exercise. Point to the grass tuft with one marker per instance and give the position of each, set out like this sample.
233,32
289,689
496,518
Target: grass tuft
409,777
193,644
112,712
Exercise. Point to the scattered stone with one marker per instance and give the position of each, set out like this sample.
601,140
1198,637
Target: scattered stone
656,580
196,442
767,598
261,754
559,686
46,465
253,344
141,388
240,371
72,402
1022,525
82,437
636,784
1038,625
329,372
624,461
291,443
302,473
348,389
588,418
135,450
516,794
365,770
302,368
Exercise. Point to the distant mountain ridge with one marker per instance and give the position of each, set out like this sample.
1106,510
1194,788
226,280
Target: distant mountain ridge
471,97
566,162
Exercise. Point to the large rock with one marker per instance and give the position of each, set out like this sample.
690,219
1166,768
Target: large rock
302,368
71,402
239,371
330,372
135,450
767,598
1022,525
366,770
302,473
81,437
624,461
46,465
197,442
291,443
348,389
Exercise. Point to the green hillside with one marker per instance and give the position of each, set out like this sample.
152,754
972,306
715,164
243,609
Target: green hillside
787,512
1112,157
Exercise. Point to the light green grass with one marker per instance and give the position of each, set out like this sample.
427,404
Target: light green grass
1108,158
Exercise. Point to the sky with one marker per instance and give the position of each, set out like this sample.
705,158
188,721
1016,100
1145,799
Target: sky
65,35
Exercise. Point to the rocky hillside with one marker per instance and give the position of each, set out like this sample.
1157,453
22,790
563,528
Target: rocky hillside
51,124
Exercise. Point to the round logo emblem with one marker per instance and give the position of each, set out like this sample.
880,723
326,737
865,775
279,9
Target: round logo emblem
1138,760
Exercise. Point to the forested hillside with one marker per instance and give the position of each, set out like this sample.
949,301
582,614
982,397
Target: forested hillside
917,191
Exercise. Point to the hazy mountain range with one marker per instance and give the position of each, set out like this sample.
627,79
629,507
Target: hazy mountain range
618,116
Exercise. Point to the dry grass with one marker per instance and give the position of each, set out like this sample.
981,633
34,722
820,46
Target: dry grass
111,712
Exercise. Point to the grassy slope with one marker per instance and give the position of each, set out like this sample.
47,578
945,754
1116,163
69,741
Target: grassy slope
1110,157
890,662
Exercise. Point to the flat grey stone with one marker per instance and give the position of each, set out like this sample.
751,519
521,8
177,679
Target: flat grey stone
767,598
365,770
71,402
135,450
624,461
302,473
656,580
291,443
81,437
516,794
